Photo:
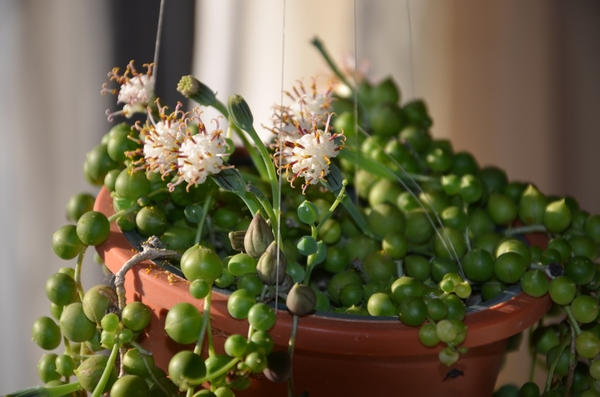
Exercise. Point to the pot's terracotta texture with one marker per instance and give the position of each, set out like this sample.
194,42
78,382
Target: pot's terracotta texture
336,356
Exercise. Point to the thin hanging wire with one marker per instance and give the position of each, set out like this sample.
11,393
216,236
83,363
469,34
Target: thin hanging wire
355,109
278,215
447,244
359,130
410,53
158,34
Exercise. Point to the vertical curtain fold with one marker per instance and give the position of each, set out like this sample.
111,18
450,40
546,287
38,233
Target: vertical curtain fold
56,56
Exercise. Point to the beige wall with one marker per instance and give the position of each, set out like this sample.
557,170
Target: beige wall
524,97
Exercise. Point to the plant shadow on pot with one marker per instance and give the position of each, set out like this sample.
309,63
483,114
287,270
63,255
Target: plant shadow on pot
338,354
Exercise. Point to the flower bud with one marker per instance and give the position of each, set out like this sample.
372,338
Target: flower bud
191,88
288,283
301,300
240,112
258,236
270,270
237,240
279,366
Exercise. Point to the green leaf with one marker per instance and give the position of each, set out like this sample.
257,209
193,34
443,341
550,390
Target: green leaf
231,180
334,179
334,184
193,213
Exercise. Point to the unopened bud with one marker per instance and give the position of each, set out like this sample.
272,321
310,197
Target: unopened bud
237,240
279,366
301,300
287,284
271,265
240,112
258,236
192,88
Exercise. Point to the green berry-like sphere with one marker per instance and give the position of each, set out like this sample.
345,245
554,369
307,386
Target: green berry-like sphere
78,205
46,333
66,243
202,263
75,325
93,228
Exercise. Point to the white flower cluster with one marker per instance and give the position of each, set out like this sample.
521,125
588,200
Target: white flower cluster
297,119
136,94
136,90
161,146
200,156
309,156
169,145
306,107
304,147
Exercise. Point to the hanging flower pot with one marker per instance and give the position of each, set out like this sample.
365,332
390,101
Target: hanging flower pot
338,354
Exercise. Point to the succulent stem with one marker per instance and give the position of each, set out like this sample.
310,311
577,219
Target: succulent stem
98,391
151,249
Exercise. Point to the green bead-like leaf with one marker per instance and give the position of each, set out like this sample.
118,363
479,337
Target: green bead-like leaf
193,213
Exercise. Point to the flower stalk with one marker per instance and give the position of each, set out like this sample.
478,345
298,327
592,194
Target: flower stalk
240,114
98,391
205,321
47,391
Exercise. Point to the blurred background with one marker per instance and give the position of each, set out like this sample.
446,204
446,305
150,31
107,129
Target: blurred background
515,83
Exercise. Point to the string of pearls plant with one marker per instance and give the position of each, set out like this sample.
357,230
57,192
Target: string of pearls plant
388,221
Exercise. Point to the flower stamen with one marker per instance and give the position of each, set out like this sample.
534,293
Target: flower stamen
136,90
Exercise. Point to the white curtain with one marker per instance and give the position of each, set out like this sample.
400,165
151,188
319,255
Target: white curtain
54,61
257,48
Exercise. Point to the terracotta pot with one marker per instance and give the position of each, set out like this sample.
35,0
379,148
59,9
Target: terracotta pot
336,355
